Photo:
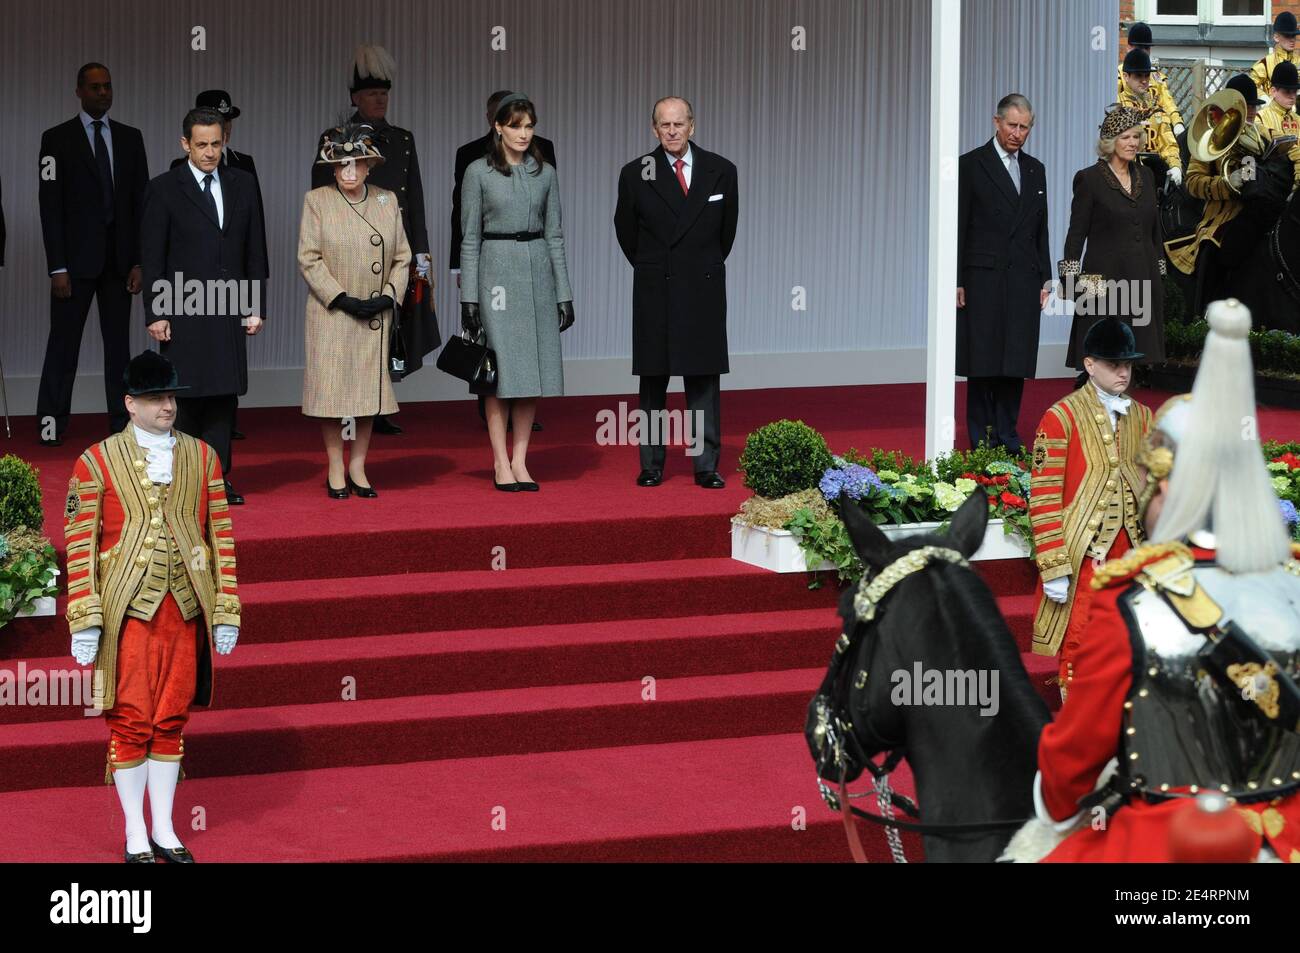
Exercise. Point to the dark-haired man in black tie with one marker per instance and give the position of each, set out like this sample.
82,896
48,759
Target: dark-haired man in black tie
204,264
93,172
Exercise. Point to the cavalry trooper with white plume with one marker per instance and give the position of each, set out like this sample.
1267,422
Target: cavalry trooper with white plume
1185,686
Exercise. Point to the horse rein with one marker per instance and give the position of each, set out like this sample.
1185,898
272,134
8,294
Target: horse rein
866,605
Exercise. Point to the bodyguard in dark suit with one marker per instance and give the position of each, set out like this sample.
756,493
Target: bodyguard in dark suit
676,222
1003,270
92,174
464,156
202,223
219,101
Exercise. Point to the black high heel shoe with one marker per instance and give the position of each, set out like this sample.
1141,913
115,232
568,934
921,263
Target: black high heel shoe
365,492
342,494
506,487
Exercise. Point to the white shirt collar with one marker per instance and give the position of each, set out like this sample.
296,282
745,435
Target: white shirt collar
686,157
1002,153
87,119
199,173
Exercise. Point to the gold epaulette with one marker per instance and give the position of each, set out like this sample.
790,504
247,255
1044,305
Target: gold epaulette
1131,563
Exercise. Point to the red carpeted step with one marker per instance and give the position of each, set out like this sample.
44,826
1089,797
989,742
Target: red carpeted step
736,799
434,663
391,730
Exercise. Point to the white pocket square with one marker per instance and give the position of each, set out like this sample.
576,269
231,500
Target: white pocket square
716,198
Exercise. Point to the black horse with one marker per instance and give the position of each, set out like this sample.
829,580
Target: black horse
970,768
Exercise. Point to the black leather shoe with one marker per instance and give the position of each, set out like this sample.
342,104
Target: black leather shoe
506,487
650,478
537,425
385,426
365,492
236,435
342,494
528,485
233,498
710,480
144,857
172,855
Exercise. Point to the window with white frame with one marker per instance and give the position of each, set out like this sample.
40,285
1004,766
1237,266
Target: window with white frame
1192,12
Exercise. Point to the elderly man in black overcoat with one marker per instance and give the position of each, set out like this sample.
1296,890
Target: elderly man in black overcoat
1003,271
676,222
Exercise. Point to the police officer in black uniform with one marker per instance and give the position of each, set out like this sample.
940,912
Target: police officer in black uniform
372,78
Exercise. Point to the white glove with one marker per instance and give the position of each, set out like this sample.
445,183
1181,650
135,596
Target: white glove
85,645
1175,175
225,636
1235,178
1058,590
1179,129
423,263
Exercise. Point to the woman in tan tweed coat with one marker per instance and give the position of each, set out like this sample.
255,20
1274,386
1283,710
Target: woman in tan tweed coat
352,250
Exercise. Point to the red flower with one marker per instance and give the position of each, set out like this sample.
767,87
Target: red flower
1290,459
1013,501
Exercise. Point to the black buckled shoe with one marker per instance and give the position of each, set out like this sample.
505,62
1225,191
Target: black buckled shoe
710,480
172,855
144,857
650,478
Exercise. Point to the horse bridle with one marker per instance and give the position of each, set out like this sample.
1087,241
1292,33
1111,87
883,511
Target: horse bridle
867,607
1285,276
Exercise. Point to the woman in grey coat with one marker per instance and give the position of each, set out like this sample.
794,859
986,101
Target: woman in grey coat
514,283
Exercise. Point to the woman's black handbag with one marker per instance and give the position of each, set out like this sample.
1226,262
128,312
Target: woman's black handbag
472,361
396,348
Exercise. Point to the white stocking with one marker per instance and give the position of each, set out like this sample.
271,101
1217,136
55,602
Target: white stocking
162,790
130,784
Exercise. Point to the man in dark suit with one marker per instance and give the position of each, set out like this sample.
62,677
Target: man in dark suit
93,173
676,222
219,101
1003,271
371,79
204,264
466,154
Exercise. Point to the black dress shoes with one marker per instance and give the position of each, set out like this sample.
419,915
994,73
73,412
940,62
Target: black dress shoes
529,486
537,426
173,855
650,478
710,480
233,498
385,426
506,487
342,494
365,492
144,857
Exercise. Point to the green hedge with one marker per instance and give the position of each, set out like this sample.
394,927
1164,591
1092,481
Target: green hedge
784,457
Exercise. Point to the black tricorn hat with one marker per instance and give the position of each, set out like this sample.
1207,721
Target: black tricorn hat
1285,76
218,100
1111,340
1139,34
1285,24
1137,61
151,373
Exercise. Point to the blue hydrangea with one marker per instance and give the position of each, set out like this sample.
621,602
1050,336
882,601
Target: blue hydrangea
1289,512
852,480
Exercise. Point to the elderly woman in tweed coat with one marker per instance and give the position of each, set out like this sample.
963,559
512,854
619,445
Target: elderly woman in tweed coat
514,281
352,250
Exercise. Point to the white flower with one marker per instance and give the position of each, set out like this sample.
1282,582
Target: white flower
949,497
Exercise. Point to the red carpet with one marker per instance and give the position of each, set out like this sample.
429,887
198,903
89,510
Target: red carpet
477,688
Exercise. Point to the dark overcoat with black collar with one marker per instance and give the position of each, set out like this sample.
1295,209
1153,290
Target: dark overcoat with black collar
677,245
179,234
1003,262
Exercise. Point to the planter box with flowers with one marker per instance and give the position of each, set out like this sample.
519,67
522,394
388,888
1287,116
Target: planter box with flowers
792,524
28,566
1284,468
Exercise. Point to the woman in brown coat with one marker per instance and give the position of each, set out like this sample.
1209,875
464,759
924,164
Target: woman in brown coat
1115,214
352,250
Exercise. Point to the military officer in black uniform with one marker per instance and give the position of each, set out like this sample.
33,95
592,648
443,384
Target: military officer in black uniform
218,100
372,78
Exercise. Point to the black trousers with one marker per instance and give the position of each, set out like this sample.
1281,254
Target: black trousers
210,419
67,325
704,403
992,409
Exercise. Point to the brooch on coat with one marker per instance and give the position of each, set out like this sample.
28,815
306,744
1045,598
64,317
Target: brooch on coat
382,200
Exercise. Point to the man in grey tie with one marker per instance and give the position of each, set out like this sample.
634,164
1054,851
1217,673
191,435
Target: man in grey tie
1003,270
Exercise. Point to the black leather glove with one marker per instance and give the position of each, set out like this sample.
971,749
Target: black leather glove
469,319
349,305
566,315
373,306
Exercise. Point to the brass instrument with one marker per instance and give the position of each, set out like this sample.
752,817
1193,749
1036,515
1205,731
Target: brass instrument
1221,128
